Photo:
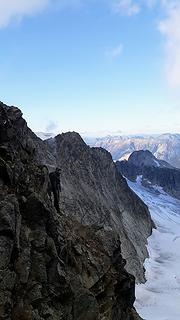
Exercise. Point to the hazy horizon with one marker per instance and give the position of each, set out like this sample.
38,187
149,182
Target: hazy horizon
101,135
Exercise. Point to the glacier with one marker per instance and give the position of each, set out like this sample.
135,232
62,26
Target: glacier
159,297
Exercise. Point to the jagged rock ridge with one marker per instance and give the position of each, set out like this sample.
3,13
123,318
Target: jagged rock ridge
95,193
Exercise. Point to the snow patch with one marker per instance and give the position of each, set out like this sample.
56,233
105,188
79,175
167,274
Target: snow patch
159,297
139,180
157,163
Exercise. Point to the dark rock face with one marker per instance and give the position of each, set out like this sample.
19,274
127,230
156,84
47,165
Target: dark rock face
95,193
144,158
152,170
52,267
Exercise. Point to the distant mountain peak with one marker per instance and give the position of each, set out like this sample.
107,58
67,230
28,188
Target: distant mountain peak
142,157
145,158
164,147
153,172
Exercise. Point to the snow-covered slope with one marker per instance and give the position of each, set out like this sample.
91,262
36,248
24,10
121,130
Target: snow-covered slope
159,297
45,135
153,171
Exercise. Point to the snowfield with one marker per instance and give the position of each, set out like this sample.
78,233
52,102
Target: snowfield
159,297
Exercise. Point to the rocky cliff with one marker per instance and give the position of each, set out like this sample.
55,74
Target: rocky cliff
95,193
52,265
154,172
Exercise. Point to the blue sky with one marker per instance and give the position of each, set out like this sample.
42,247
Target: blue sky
92,66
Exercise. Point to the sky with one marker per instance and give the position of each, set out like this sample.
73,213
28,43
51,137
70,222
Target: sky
92,66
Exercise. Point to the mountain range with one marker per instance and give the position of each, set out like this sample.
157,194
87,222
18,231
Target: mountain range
164,147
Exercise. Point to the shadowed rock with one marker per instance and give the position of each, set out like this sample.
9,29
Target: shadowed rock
52,266
96,193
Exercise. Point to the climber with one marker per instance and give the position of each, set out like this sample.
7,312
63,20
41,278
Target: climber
56,187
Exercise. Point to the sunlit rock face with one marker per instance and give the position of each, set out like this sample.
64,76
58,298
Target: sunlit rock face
52,266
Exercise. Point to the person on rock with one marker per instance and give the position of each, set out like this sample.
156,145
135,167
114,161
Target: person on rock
56,187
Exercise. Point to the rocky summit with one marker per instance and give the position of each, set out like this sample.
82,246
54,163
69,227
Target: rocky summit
67,265
153,172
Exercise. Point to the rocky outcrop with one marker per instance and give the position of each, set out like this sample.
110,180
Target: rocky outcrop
95,193
144,158
52,266
153,172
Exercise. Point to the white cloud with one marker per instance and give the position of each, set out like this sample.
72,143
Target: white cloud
115,52
17,9
10,9
51,126
169,26
170,29
127,7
